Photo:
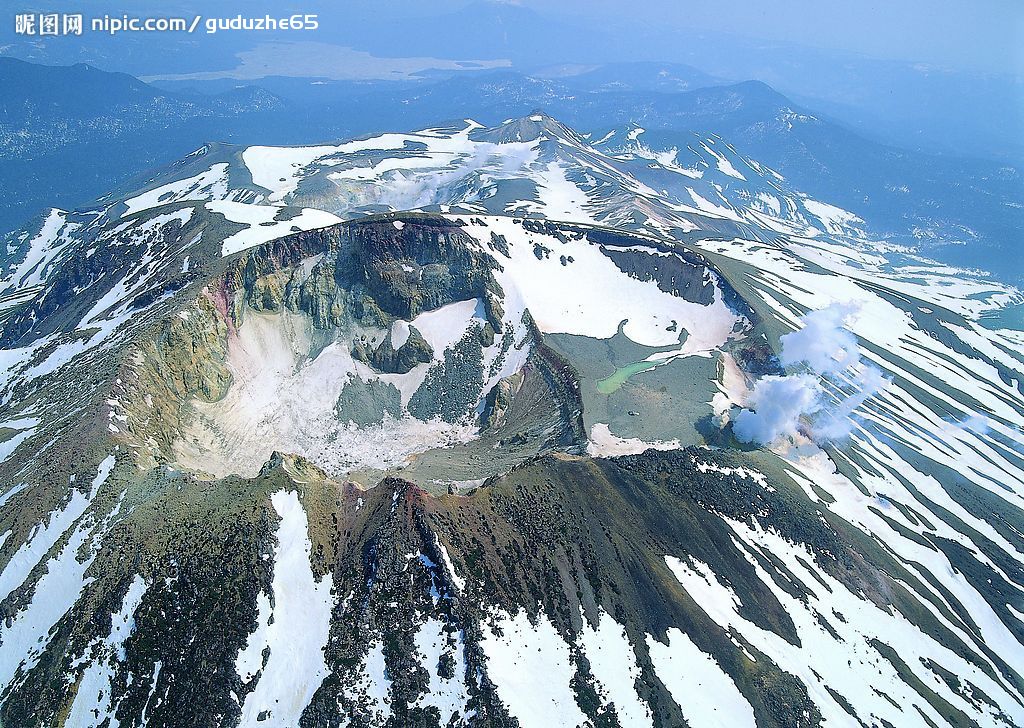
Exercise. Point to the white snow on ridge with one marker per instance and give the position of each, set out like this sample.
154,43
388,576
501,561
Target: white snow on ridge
667,158
438,167
706,695
211,184
302,616
531,668
443,327
263,224
92,705
281,169
614,667
275,168
739,472
399,334
428,176
431,162
770,203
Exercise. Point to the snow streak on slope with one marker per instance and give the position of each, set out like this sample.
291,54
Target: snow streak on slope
705,694
44,536
531,666
613,664
41,251
24,637
851,627
262,223
92,705
209,185
297,634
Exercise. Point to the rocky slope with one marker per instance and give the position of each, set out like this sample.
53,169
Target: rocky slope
263,467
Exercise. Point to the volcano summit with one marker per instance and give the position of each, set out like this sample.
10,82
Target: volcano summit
502,426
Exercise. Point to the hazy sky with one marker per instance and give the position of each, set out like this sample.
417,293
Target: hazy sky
959,34
968,35
975,34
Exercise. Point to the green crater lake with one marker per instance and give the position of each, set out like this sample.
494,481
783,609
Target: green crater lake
618,378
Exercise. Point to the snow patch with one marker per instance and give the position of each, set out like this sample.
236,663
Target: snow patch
262,223
614,667
92,705
448,695
602,443
301,623
211,184
705,694
531,668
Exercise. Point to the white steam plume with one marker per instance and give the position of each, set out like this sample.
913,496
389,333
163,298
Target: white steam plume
777,406
823,342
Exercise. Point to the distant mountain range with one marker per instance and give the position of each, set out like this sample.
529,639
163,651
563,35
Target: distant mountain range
962,211
916,104
68,133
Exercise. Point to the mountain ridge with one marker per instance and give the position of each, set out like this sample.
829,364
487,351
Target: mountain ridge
477,463
897,192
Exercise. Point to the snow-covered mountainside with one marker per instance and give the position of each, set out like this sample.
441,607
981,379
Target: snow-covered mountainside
499,426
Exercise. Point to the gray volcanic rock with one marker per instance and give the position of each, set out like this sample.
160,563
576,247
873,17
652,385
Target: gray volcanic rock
366,403
385,358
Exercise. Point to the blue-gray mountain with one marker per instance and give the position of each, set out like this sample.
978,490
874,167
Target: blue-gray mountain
962,211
